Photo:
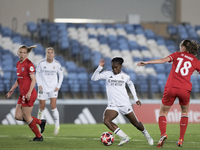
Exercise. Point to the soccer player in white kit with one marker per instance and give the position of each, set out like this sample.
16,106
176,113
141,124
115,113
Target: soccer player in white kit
118,99
47,73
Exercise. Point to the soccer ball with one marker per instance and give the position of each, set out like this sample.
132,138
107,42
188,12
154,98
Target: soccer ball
107,138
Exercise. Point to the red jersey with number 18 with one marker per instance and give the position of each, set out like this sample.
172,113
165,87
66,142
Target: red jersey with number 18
24,70
184,64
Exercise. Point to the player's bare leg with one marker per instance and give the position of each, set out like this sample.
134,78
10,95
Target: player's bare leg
134,121
109,115
18,112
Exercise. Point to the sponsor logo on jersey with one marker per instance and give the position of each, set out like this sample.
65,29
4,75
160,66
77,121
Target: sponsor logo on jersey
31,68
111,77
22,69
122,77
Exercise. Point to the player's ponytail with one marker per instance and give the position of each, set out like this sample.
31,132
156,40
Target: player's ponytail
190,46
28,48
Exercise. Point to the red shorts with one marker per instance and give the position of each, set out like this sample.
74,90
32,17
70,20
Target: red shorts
170,95
23,101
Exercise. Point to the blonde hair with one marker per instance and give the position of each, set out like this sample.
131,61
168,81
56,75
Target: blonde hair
50,48
27,48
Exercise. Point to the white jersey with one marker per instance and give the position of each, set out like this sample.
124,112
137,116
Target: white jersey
116,86
47,75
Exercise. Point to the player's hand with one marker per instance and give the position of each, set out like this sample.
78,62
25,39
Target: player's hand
40,87
56,89
101,62
9,93
139,103
28,96
142,63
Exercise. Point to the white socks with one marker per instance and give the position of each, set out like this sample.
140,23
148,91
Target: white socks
120,133
40,114
55,114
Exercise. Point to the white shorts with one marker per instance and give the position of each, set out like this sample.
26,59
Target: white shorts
124,110
47,95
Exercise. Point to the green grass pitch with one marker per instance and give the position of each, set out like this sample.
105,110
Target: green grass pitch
87,137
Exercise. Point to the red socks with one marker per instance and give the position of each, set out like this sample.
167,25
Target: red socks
33,126
38,121
162,121
183,126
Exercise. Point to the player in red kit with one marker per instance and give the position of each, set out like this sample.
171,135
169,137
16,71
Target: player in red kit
26,81
178,85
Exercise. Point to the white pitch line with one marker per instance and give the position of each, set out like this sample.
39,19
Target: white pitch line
74,138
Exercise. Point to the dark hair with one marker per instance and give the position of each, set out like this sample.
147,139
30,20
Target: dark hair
118,59
190,46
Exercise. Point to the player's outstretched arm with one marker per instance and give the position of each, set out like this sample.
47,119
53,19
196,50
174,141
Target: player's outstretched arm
155,61
96,75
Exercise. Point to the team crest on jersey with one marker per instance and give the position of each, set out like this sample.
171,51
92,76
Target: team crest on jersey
22,69
122,77
31,68
53,67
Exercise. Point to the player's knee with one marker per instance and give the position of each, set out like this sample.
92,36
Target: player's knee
106,121
18,118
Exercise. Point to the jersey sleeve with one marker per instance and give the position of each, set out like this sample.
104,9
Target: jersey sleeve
97,75
31,68
60,74
132,88
172,57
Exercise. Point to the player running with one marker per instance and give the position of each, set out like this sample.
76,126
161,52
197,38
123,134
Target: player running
47,73
26,81
178,85
118,99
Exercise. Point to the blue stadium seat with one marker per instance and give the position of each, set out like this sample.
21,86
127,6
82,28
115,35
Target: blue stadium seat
31,27
171,30
6,32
